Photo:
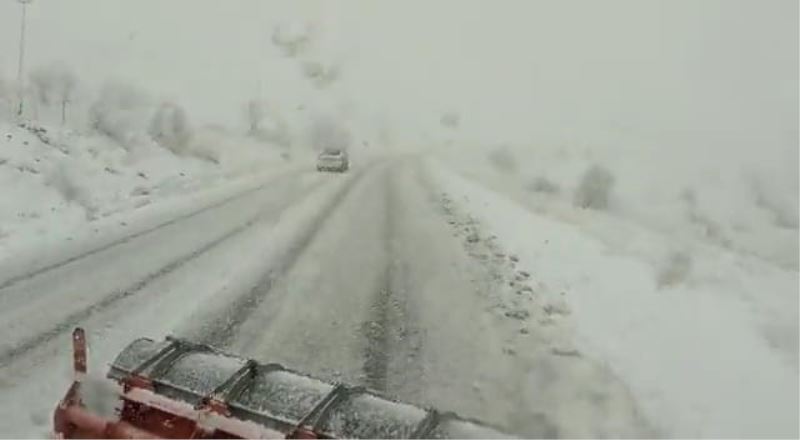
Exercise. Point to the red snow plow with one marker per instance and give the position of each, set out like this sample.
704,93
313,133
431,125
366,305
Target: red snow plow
179,389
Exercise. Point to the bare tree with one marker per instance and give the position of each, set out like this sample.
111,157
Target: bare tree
54,84
66,92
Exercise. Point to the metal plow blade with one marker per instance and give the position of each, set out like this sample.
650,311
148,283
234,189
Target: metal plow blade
178,389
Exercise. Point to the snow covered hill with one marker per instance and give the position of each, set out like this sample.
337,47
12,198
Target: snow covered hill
680,272
60,182
744,200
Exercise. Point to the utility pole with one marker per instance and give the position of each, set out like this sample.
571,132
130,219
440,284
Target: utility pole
20,63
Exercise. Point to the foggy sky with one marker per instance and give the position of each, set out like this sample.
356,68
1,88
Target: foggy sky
516,70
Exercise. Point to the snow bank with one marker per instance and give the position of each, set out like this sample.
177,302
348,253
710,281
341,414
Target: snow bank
705,335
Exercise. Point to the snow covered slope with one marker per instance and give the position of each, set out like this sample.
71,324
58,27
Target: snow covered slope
720,192
58,181
704,333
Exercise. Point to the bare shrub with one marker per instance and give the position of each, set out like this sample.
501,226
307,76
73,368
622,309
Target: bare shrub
169,127
595,187
675,269
292,38
503,160
544,185
118,112
321,75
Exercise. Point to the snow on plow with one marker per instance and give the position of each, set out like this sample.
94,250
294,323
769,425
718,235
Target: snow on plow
179,389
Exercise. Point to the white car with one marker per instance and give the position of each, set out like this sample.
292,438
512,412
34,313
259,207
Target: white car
333,160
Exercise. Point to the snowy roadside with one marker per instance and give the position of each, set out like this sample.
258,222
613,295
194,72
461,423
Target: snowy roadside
709,352
65,193
33,253
745,204
482,343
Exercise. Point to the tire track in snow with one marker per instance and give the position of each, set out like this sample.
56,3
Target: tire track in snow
125,239
224,328
72,320
376,331
392,338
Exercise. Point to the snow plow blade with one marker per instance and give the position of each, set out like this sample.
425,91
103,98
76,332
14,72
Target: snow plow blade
179,389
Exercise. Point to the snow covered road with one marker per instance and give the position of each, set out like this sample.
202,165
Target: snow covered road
374,277
92,282
142,284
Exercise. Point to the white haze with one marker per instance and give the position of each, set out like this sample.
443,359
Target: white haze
610,71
